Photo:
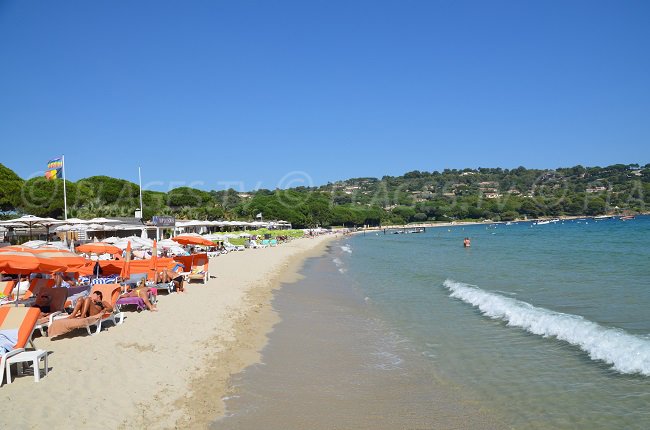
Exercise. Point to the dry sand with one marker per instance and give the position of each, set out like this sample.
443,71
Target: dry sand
166,369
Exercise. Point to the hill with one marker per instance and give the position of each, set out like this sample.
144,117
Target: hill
468,194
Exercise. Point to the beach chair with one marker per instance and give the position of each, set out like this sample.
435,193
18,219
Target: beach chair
273,242
35,285
254,244
7,287
135,278
265,243
161,286
92,324
18,321
198,273
58,298
74,294
110,293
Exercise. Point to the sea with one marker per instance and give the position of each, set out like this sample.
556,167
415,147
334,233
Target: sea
535,326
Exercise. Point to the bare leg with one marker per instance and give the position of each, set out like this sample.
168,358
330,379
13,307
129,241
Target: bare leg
147,303
86,307
77,308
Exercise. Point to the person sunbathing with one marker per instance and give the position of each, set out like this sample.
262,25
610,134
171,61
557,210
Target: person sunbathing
90,306
142,291
167,276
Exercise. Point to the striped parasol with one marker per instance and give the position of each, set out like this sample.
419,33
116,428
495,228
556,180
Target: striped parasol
23,261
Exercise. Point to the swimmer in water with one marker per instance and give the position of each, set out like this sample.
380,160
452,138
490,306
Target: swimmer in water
466,242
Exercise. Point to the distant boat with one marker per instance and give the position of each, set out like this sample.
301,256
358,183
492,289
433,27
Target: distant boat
602,217
626,218
547,221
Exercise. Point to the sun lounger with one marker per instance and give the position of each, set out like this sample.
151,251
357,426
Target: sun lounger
20,320
58,297
162,286
110,293
7,287
254,244
76,293
198,273
135,279
36,285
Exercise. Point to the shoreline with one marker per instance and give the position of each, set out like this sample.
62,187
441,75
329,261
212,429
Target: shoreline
485,222
250,338
168,369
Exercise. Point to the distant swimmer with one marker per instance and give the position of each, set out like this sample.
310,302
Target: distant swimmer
467,243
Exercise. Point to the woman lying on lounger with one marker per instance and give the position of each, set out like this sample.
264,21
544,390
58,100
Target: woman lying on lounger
142,291
90,306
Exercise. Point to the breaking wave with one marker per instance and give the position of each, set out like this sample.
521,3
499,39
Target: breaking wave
625,352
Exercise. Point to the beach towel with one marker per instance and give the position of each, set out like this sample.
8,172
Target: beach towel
66,325
8,339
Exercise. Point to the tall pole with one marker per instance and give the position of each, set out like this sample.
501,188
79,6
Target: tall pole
65,198
140,180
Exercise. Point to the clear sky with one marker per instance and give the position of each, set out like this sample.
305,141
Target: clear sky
269,94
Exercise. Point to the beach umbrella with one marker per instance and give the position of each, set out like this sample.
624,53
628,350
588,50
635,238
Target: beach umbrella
69,260
31,220
34,244
99,248
126,268
154,259
23,261
186,239
75,221
135,241
101,220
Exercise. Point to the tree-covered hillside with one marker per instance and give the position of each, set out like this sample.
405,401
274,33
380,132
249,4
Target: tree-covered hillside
477,194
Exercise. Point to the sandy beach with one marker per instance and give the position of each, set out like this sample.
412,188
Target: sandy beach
166,369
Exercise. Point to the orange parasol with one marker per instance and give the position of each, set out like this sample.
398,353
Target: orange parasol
99,248
154,259
192,240
71,261
18,260
126,269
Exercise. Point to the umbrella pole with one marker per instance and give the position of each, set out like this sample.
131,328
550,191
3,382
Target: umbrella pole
17,291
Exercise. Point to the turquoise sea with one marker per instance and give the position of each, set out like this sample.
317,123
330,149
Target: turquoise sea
539,326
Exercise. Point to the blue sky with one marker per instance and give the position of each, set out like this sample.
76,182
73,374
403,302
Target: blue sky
252,94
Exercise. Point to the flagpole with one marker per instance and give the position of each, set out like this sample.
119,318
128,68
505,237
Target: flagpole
140,180
65,198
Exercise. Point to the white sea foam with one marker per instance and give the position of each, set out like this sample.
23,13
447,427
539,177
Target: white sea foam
346,248
625,352
339,264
